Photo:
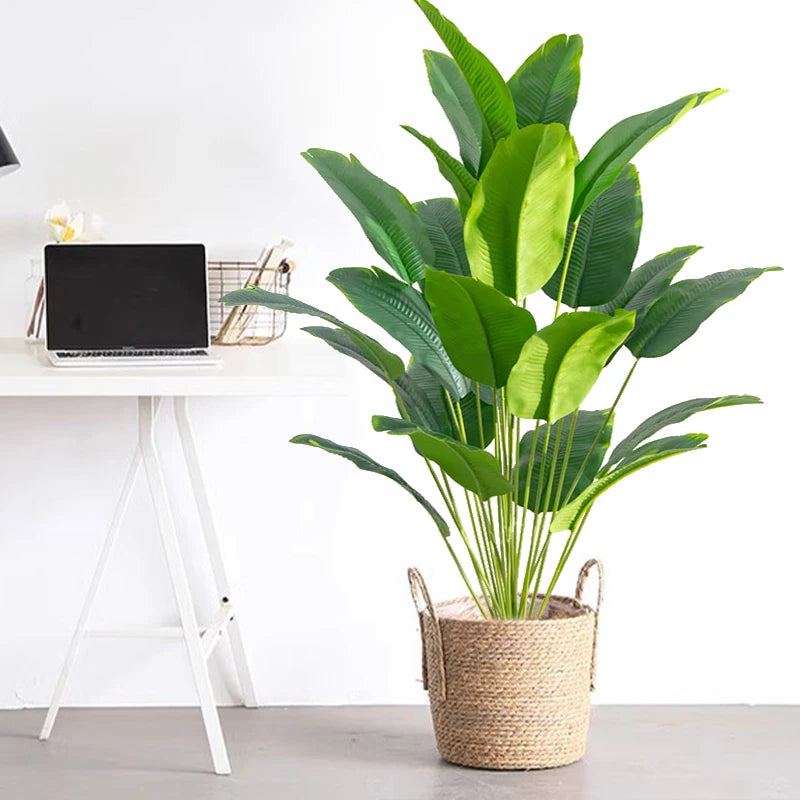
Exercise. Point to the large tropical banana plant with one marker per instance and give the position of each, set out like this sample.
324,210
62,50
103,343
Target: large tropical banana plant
491,398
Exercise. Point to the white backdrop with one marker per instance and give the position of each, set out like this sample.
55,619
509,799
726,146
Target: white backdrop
184,121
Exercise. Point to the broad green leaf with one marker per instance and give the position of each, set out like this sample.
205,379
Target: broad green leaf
545,87
647,282
363,461
387,218
451,89
682,441
605,245
402,312
451,169
620,143
515,228
684,306
488,87
377,359
570,514
422,398
672,415
377,353
424,402
591,428
473,468
481,329
445,227
560,363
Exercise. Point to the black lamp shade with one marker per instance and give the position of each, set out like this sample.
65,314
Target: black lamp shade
8,160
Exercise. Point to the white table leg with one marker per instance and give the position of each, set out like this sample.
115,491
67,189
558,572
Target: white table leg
199,642
180,586
213,545
94,586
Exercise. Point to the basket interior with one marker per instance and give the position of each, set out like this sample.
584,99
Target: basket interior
558,607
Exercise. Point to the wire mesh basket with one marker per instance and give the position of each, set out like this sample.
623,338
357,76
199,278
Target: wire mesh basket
248,325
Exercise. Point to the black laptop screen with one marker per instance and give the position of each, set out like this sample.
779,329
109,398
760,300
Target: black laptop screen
112,296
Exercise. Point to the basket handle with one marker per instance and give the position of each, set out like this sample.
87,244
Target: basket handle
582,576
423,604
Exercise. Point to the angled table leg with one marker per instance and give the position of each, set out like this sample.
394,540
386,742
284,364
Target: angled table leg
180,585
209,528
200,642
94,586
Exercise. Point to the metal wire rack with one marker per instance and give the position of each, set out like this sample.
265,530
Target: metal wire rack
248,325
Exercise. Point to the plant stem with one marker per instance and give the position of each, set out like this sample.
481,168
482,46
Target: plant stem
480,415
599,433
456,519
527,493
564,271
566,553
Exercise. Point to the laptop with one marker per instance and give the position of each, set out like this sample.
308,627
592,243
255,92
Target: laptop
127,305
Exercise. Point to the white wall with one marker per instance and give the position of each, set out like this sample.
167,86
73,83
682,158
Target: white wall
184,121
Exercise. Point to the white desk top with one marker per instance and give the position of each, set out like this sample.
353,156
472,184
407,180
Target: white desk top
292,367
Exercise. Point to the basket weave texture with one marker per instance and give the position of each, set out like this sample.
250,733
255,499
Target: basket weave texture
508,694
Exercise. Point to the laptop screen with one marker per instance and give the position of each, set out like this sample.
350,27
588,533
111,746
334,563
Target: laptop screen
115,296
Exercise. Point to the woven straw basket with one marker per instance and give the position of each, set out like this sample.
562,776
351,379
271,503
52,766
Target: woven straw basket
509,694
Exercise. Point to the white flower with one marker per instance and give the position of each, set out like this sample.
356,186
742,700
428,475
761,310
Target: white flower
64,226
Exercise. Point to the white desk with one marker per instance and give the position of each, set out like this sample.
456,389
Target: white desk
287,368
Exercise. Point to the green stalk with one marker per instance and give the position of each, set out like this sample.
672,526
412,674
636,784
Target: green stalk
561,478
567,257
544,507
480,415
493,557
539,570
483,552
600,433
455,417
537,509
529,475
456,519
565,462
566,553
460,527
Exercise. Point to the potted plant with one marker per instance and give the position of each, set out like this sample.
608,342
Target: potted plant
492,397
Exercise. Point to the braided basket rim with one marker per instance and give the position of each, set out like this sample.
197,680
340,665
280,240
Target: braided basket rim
569,608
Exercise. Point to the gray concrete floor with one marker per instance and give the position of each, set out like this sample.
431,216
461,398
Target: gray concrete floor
388,753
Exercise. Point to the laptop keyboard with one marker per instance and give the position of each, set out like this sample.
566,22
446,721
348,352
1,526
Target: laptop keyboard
129,353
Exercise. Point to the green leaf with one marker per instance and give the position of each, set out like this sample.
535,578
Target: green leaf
469,412
387,218
684,306
648,282
672,415
570,514
682,441
488,87
620,143
377,359
402,312
446,233
451,89
363,461
377,353
481,329
424,402
605,245
423,399
473,468
560,363
516,226
545,87
452,170
591,428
